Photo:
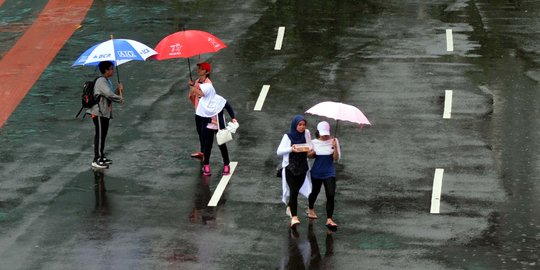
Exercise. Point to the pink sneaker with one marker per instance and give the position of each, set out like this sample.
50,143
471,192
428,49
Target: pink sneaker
226,170
206,170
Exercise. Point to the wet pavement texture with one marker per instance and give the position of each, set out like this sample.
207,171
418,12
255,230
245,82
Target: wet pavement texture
389,58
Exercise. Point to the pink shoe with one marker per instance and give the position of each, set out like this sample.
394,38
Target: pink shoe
206,170
226,170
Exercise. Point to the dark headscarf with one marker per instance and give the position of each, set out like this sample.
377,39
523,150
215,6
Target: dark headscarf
295,136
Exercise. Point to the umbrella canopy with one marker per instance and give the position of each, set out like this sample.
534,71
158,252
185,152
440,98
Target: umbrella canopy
118,51
188,43
339,111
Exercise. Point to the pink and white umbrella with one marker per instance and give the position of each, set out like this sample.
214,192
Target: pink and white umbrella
339,111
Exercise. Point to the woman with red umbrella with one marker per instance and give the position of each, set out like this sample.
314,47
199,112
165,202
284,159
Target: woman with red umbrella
186,44
203,70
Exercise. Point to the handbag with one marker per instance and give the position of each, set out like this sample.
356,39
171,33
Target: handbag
223,135
279,171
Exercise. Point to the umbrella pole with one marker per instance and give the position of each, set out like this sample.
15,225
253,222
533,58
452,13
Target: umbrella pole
189,68
116,64
335,133
117,74
188,62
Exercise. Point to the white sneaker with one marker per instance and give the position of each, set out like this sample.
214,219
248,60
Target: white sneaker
100,164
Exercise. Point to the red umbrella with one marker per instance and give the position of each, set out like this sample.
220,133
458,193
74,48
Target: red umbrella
187,43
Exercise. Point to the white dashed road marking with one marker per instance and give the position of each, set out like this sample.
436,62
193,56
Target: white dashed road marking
279,38
448,104
262,97
449,40
437,188
222,184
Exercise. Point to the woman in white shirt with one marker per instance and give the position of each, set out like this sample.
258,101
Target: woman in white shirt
325,151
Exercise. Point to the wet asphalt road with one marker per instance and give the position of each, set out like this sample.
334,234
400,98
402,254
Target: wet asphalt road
390,59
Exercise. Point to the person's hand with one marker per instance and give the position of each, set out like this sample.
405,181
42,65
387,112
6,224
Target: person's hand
234,120
120,88
295,148
334,142
191,83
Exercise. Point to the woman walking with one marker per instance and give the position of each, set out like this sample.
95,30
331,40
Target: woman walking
295,178
325,151
212,105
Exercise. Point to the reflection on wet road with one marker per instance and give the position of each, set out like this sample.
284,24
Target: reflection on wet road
303,252
201,212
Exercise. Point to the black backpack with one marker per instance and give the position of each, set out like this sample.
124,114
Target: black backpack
88,99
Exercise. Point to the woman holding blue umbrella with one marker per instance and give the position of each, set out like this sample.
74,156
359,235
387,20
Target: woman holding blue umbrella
101,113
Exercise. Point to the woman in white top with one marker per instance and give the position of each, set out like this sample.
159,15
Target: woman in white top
212,105
323,172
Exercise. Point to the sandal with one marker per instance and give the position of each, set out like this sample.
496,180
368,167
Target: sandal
331,225
312,216
294,222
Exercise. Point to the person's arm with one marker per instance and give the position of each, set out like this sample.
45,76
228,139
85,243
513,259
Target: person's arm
120,89
285,146
230,111
311,153
191,94
196,91
308,139
337,151
103,88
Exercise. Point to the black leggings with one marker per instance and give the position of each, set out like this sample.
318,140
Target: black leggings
101,125
330,190
295,182
208,141
199,124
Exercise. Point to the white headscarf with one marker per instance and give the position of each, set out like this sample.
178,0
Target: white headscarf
211,103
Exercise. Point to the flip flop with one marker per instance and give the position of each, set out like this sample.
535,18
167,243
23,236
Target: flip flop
311,216
332,226
294,223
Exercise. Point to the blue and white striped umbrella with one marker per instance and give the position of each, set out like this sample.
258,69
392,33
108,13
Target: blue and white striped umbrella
118,51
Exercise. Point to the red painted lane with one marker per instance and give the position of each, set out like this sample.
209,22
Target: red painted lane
22,66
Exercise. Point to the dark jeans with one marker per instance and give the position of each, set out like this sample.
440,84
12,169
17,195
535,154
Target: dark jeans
330,190
101,125
295,182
